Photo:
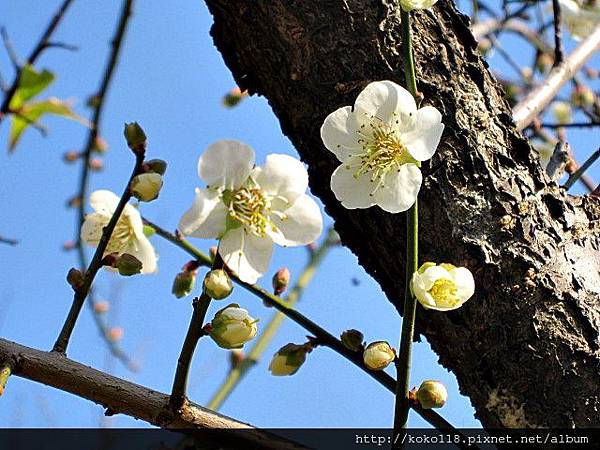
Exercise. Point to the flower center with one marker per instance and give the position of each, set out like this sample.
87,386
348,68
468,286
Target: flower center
121,236
383,152
444,293
249,206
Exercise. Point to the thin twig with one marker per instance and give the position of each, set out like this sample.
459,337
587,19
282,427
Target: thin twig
558,49
9,241
82,291
529,108
571,125
579,172
323,336
12,54
35,53
98,108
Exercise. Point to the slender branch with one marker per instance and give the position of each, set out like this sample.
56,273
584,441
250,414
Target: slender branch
12,54
239,371
8,241
403,362
82,291
184,362
119,396
526,110
558,49
570,125
579,172
96,120
323,337
35,53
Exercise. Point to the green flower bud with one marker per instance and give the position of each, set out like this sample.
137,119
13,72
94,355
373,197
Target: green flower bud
562,112
217,284
432,394
233,97
183,285
378,355
352,340
288,359
232,327
135,136
281,280
128,265
146,186
156,165
583,96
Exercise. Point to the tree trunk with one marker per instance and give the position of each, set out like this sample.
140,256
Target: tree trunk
525,349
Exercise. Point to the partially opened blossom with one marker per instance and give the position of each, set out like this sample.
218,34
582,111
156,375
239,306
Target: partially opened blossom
128,235
249,208
580,17
380,142
409,5
442,287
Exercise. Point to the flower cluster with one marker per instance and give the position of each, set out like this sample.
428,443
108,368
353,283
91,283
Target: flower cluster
249,208
380,143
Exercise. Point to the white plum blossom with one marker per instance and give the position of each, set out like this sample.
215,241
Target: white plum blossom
409,5
249,208
580,17
232,327
128,235
380,143
442,287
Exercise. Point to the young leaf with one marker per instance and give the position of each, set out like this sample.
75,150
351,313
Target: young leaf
31,83
30,113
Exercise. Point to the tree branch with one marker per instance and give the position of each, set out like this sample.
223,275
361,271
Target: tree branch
529,108
119,396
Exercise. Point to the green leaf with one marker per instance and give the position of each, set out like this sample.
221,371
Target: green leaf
31,83
30,113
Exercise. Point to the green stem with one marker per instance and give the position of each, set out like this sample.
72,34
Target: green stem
579,172
237,373
403,361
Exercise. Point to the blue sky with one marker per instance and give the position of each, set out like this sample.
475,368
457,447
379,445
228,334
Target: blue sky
171,80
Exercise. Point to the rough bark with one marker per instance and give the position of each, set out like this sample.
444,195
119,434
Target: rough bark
122,397
525,348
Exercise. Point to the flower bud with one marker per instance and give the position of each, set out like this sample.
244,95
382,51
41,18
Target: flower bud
71,156
74,202
583,96
544,62
217,284
232,327
69,245
75,278
183,284
235,358
233,97
115,334
353,340
432,394
281,280
562,112
99,145
146,186
442,287
101,307
135,136
96,164
156,165
288,359
212,251
128,265
378,355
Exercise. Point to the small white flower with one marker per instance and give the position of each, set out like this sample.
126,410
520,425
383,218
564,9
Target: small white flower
146,186
288,359
249,208
232,327
409,5
580,17
442,287
562,112
380,142
128,235
378,355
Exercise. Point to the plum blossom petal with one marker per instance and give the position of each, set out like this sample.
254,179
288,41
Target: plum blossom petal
399,189
300,224
226,164
247,255
207,216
